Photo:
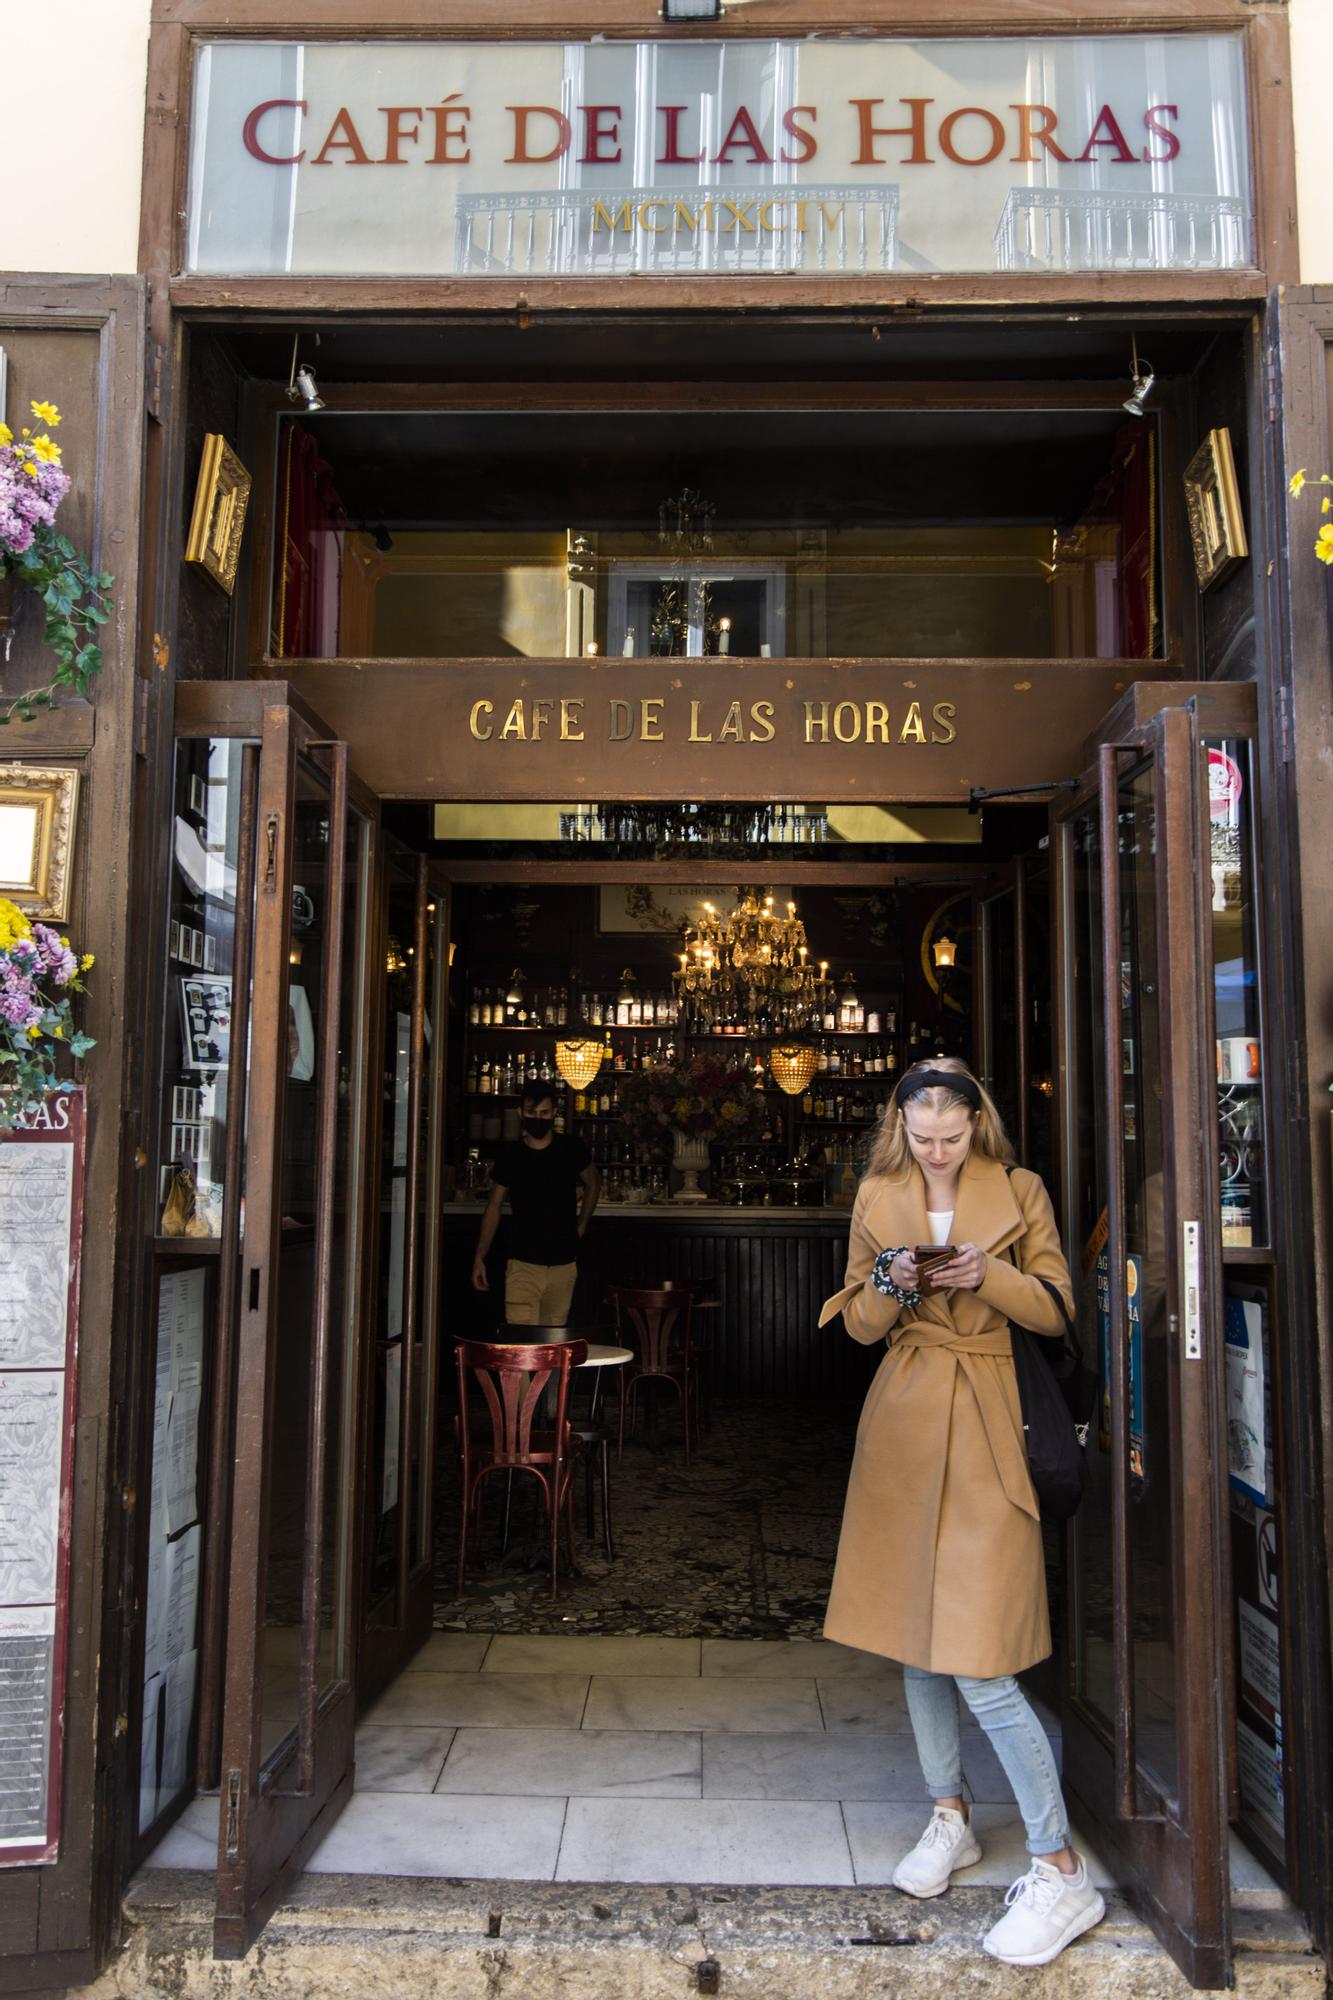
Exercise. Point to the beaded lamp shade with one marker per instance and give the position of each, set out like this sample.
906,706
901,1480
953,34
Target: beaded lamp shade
578,1061
792,1065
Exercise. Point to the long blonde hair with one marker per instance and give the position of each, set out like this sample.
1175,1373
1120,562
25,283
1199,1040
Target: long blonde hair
891,1155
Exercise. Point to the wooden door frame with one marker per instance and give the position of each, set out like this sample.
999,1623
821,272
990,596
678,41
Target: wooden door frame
1115,1794
1296,838
57,1921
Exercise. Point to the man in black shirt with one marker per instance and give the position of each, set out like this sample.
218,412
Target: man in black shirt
542,1175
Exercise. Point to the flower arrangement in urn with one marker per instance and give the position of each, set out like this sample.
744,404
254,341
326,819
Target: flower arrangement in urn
32,486
39,970
702,1098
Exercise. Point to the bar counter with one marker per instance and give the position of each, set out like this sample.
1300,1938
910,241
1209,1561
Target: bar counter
770,1268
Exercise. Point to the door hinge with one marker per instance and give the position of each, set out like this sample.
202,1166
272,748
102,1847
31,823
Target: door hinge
1285,733
153,391
233,1840
141,717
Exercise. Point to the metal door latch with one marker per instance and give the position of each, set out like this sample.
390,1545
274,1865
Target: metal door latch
1190,1287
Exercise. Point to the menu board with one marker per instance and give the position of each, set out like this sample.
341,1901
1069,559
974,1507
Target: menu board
41,1195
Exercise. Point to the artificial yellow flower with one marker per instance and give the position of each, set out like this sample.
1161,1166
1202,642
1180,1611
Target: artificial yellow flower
1296,484
46,449
45,413
13,924
34,1033
30,468
6,435
89,958
1323,547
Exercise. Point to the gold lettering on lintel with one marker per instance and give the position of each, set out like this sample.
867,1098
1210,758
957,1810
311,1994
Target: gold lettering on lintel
642,720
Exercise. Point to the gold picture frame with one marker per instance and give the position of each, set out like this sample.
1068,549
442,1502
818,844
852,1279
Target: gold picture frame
38,804
221,496
1212,499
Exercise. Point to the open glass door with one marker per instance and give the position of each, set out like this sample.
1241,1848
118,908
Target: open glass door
286,1763
411,967
1147,1726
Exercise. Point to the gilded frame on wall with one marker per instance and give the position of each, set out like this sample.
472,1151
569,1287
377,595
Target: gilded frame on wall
1212,500
221,497
38,804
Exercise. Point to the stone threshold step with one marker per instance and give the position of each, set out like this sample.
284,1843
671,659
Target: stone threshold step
343,1937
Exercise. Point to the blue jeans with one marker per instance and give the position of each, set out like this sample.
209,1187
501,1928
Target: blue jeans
1017,1737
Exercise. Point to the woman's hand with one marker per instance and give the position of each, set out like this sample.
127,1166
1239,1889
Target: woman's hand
963,1272
903,1270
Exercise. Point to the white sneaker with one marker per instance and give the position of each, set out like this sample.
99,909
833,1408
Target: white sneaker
1044,1911
947,1843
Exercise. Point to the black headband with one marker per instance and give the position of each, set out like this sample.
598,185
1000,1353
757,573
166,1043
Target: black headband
938,1079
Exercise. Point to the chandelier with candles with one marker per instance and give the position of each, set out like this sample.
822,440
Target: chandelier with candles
755,965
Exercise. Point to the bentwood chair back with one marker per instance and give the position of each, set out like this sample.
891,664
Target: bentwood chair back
588,1429
511,1381
658,1325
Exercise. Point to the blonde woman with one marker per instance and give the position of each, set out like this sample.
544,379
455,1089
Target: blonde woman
940,1560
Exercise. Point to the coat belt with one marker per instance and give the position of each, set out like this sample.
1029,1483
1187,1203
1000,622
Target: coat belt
972,1352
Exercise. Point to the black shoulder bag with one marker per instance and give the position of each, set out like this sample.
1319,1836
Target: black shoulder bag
1057,1394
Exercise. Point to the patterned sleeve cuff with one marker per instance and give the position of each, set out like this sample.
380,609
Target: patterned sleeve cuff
881,1279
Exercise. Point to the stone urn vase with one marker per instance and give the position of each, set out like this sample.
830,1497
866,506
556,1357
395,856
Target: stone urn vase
690,1159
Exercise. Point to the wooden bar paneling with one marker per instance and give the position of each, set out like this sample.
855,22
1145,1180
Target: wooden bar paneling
771,1272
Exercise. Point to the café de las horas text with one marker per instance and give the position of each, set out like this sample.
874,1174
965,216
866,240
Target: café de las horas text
860,132
581,719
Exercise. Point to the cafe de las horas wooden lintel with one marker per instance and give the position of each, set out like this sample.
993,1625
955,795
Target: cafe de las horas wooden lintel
665,729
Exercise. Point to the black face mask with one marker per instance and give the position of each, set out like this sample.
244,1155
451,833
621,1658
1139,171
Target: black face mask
536,1128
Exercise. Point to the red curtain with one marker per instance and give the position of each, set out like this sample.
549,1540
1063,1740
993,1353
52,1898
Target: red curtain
1127,495
311,531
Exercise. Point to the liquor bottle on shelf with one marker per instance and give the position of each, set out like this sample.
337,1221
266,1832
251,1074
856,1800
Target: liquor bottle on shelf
604,1100
474,1008
484,1080
562,1008
808,1104
472,1078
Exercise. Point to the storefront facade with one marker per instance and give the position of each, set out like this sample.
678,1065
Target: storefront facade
609,241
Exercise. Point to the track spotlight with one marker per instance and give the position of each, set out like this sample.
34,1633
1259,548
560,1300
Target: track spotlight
301,383
1143,379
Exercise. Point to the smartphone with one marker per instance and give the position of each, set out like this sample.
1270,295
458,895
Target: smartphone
929,1256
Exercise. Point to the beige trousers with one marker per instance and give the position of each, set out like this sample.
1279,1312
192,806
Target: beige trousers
538,1294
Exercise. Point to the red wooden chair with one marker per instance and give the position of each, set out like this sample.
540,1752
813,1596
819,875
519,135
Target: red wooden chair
658,1324
511,1380
704,1293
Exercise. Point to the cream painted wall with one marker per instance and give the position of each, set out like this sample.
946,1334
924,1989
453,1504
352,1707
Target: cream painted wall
71,140
1311,68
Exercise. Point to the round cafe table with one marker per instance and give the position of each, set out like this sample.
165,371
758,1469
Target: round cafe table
593,1434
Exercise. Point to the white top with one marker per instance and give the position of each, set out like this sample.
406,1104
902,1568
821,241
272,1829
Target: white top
940,1225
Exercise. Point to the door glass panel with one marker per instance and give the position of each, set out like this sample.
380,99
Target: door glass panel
391,1278
1041,1059
201,944
1002,1008
1240,1120
310,991
1150,1440
1094,1658
345,1255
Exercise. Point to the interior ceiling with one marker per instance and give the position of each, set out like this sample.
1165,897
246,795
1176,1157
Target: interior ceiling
604,470
578,346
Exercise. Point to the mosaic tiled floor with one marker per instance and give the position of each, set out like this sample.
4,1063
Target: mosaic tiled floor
739,1545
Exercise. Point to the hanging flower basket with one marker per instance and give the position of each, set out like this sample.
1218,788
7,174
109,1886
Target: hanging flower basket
32,486
39,970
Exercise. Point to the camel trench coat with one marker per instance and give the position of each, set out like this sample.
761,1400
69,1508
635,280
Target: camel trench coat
940,1558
